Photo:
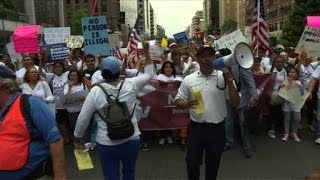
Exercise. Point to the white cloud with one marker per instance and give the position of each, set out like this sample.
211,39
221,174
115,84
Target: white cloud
175,15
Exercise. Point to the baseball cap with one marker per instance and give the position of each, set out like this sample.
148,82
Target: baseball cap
112,64
173,44
202,48
6,73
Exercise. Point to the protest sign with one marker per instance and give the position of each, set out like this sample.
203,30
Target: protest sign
13,55
56,52
156,108
74,100
56,35
25,39
74,41
309,41
114,40
95,35
182,40
313,21
231,40
296,95
155,53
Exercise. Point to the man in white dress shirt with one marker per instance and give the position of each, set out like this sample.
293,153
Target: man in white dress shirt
206,131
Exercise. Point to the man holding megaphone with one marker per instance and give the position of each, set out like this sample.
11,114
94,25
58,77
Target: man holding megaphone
240,62
208,112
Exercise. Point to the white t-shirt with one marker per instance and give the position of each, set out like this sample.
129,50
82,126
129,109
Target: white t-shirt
162,77
57,84
41,90
74,89
281,76
266,63
305,73
316,74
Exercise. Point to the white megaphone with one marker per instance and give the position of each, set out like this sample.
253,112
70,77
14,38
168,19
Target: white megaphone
241,55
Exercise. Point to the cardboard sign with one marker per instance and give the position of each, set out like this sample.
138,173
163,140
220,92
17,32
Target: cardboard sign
56,35
309,41
95,35
231,40
25,39
155,53
74,41
313,21
294,96
13,55
182,40
56,52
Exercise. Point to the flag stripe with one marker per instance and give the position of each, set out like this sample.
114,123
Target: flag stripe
259,27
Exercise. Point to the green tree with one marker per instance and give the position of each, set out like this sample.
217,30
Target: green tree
7,5
229,25
293,27
76,21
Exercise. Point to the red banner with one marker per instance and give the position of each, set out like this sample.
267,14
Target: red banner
156,109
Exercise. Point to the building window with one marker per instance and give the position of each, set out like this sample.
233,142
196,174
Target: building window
77,1
68,1
85,1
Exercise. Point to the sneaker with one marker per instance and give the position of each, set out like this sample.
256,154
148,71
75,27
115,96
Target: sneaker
170,141
161,141
271,134
295,137
285,137
145,147
311,128
317,141
248,153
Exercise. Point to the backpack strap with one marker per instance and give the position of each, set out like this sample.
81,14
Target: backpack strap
25,108
105,92
119,89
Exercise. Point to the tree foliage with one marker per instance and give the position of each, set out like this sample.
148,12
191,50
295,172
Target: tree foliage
296,22
76,21
229,25
8,5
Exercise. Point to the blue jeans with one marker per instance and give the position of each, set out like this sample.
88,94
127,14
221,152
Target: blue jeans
111,156
245,132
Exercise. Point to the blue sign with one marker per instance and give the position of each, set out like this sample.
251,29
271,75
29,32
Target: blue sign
95,35
182,40
55,52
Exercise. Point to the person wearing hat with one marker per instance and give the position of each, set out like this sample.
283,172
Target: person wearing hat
112,152
27,137
206,131
172,47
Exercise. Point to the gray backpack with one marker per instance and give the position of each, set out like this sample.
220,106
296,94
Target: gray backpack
117,116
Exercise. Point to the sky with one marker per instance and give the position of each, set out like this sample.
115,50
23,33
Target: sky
175,15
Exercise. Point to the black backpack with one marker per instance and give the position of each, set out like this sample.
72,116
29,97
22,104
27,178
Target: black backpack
117,116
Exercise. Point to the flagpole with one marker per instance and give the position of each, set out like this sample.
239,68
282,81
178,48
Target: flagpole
258,21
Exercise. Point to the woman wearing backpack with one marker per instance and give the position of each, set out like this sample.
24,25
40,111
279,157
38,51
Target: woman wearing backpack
125,150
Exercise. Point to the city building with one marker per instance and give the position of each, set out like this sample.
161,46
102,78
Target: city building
152,23
144,9
211,16
227,11
195,23
160,31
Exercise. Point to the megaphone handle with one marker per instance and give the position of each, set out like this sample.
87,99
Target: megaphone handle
218,63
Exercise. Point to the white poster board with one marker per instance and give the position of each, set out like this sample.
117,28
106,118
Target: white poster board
74,100
309,41
13,55
231,40
56,35
294,95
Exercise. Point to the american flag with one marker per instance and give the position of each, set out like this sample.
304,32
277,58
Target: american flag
132,47
259,27
118,53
